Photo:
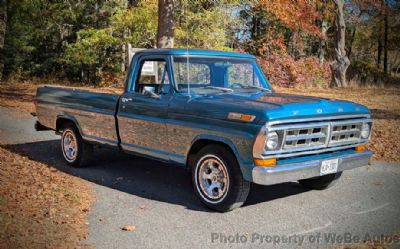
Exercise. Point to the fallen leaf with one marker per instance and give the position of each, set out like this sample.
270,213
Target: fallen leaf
128,228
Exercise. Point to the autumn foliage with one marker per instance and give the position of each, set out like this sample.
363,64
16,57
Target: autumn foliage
296,15
283,70
282,47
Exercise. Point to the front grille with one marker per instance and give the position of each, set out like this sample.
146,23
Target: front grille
305,137
312,135
345,133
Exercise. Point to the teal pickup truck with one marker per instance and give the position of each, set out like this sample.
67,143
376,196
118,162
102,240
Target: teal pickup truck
214,113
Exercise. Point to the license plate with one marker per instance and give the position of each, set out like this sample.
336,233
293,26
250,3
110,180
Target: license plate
329,166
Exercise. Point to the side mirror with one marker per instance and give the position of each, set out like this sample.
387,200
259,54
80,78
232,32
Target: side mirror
149,91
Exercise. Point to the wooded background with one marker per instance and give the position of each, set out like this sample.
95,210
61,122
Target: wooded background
317,43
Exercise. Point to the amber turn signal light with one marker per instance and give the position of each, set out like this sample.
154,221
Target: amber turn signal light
270,162
241,117
247,118
361,148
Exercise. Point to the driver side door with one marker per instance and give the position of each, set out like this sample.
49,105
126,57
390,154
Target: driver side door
143,109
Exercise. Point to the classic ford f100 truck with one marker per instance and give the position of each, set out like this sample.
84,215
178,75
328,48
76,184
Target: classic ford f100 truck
216,114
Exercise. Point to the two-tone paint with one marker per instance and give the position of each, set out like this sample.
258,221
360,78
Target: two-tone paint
169,127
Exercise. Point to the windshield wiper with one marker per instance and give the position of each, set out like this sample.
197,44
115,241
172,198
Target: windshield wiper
252,87
257,87
224,89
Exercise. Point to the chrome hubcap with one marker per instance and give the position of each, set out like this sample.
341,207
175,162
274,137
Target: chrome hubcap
212,177
70,147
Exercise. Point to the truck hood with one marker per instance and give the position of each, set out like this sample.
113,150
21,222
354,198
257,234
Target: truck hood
272,106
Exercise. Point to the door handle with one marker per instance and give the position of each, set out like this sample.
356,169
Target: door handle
124,100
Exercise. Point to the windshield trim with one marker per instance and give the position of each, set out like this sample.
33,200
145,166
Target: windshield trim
257,69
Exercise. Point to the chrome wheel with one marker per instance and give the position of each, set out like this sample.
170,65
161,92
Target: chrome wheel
212,179
69,146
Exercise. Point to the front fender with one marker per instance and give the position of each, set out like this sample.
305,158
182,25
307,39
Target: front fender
242,156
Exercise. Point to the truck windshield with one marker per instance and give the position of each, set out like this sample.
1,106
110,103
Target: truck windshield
207,74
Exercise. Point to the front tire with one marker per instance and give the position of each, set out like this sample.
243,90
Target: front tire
321,182
217,179
75,151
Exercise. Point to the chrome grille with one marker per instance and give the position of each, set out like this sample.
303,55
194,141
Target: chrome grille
305,137
311,136
345,133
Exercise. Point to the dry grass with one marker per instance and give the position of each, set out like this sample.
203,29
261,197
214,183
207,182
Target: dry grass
19,96
40,206
384,103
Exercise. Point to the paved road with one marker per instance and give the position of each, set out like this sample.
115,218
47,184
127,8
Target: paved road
158,200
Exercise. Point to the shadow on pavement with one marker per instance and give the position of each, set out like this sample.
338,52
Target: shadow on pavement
141,176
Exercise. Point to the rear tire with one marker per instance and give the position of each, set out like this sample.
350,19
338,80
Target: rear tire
321,182
75,151
217,179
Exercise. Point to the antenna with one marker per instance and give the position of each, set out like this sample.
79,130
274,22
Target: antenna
187,49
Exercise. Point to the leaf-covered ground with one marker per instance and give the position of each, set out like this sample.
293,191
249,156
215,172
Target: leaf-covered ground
40,206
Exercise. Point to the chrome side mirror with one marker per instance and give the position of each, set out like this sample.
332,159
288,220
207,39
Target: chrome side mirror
149,91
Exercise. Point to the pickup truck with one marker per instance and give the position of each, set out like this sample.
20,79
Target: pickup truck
215,114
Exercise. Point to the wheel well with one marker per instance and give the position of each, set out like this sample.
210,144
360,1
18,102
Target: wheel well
61,122
201,143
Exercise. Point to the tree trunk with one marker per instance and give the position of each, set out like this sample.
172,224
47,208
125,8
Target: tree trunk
322,42
341,63
385,41
350,47
125,52
165,32
379,59
322,9
123,57
3,29
125,45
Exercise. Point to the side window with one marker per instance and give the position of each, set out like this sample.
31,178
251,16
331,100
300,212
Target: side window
153,77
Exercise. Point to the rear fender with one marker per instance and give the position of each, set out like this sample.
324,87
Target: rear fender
61,118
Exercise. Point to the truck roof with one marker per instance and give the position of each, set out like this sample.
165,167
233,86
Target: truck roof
174,51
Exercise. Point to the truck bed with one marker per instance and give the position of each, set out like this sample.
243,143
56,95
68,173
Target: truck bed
93,112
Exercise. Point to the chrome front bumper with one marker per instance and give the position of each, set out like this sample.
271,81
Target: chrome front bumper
304,170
